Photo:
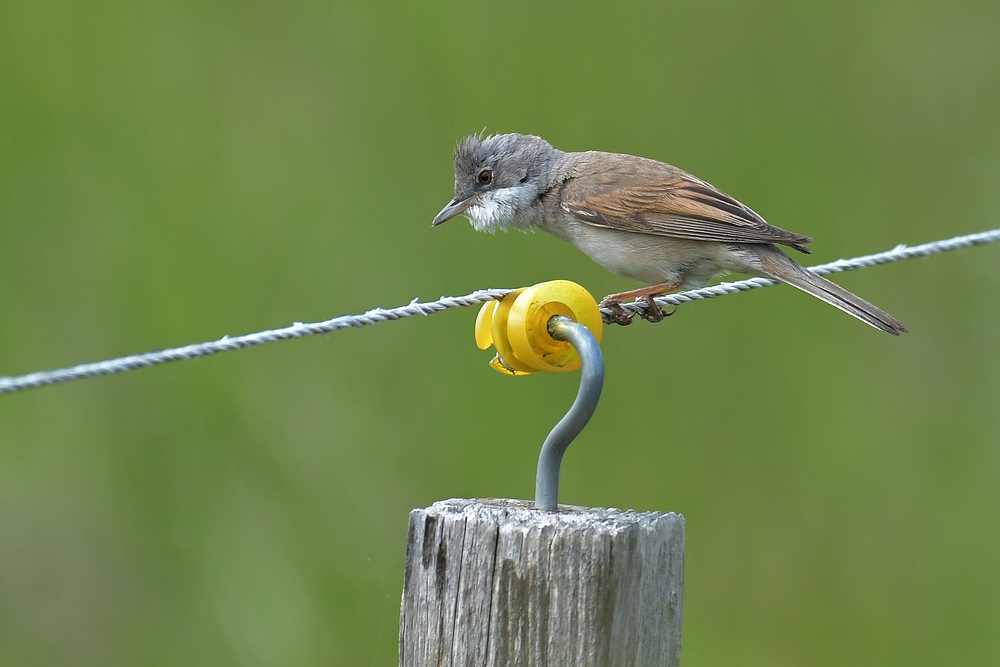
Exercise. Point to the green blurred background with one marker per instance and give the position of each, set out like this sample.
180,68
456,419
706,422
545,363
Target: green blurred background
174,172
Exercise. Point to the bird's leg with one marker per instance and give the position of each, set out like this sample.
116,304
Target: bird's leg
652,313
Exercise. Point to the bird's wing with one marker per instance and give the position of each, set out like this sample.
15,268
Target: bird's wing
655,198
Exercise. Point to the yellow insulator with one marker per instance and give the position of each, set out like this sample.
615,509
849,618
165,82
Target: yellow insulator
517,327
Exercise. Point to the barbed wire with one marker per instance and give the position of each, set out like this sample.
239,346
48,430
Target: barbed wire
299,329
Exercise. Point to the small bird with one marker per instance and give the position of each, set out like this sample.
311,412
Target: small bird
640,218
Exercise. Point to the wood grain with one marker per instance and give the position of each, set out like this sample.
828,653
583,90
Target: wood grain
501,584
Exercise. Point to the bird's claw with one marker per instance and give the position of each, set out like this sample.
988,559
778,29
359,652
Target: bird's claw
618,314
653,313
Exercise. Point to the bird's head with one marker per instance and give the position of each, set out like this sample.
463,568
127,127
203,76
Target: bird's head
498,180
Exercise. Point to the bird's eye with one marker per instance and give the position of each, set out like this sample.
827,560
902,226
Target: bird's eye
485,176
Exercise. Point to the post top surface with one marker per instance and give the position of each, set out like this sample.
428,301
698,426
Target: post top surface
509,511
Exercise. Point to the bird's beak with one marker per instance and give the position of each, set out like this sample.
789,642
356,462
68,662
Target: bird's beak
451,210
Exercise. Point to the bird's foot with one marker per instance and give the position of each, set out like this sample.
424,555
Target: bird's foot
618,314
653,313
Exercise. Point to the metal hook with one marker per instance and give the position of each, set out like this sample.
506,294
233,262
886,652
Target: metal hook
591,383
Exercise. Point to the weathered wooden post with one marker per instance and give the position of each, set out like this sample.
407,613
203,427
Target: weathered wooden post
498,583
510,583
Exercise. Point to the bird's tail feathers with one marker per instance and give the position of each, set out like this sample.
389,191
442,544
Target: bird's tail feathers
779,265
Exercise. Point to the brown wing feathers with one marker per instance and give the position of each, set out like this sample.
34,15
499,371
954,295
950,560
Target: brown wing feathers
672,205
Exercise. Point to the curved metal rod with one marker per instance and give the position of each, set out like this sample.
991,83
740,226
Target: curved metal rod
591,383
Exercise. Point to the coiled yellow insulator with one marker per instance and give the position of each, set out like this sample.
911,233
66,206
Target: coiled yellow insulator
517,327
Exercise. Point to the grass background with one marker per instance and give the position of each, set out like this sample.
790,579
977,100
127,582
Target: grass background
172,172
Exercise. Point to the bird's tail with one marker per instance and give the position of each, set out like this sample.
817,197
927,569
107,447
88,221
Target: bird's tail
777,264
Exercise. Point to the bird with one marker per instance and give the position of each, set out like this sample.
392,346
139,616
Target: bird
637,217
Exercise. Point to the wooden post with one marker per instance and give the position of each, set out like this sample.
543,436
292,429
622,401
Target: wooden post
498,583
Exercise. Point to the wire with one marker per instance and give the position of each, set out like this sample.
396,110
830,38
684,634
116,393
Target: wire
299,329
894,255
227,343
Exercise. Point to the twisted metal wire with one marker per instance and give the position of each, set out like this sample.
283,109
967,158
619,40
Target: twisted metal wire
899,252
226,343
299,329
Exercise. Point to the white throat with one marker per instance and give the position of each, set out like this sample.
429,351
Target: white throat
505,208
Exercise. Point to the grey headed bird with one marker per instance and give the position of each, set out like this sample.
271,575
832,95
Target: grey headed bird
639,218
